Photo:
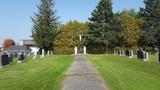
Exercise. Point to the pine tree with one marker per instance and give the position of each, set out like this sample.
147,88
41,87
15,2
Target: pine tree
151,14
100,24
45,25
157,26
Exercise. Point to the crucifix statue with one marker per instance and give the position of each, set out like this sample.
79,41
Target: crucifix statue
80,37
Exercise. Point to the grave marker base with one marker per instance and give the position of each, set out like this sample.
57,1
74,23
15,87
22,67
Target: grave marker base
19,61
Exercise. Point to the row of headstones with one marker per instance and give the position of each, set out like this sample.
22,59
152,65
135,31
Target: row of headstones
142,55
43,54
6,59
84,50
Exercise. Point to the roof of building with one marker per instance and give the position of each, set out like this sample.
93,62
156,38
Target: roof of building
19,48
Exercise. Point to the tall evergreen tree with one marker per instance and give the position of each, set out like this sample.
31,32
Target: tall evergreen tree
157,26
45,25
101,24
151,14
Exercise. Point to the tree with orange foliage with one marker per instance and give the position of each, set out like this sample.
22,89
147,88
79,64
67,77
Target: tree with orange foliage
131,30
8,42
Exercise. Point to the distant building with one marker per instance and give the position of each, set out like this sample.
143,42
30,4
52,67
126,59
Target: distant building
27,42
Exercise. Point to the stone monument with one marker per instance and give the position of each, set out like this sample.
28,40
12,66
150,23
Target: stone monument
84,49
35,51
48,52
81,48
43,53
75,50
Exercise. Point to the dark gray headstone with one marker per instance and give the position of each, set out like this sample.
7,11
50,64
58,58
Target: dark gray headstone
119,52
142,55
4,59
127,52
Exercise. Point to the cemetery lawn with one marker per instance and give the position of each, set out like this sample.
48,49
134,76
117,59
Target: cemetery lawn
43,74
122,73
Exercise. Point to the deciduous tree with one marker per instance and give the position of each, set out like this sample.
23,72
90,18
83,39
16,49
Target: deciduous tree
68,37
8,42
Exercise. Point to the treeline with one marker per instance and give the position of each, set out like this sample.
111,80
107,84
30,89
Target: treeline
105,31
109,30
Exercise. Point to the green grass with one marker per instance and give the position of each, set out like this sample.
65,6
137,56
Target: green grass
43,74
122,73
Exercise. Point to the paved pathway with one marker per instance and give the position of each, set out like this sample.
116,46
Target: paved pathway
82,76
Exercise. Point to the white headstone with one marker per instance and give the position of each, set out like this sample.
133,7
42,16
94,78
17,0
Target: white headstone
123,53
146,56
84,49
35,55
48,52
120,53
75,50
43,53
51,52
131,56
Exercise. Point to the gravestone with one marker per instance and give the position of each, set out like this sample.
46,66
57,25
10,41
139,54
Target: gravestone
123,53
35,51
51,52
35,55
84,49
21,57
10,57
146,56
48,52
43,53
75,50
119,52
142,55
115,52
4,59
129,53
